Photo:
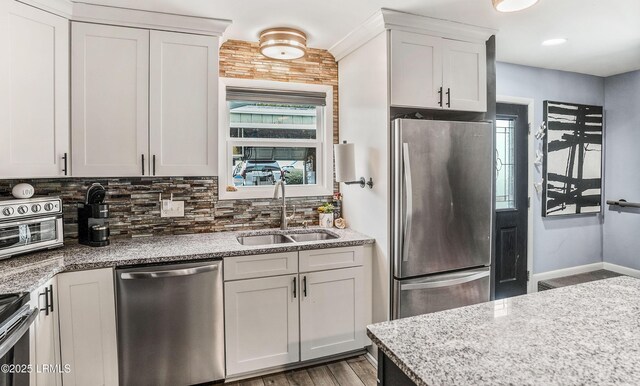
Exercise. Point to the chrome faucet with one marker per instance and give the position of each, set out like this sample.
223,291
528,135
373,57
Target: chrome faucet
284,219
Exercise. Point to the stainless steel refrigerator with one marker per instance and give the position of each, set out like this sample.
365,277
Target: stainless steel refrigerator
442,215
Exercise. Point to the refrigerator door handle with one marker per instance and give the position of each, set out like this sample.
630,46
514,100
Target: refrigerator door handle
406,237
445,283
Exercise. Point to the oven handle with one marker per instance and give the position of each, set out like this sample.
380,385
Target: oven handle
26,222
16,334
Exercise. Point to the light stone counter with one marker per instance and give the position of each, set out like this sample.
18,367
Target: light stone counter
587,334
28,272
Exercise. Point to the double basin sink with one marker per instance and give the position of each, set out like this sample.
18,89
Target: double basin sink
284,237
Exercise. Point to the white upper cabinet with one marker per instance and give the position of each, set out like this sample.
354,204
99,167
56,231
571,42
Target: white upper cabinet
437,73
416,70
144,102
34,92
465,75
110,96
183,104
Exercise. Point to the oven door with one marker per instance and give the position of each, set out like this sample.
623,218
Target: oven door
14,348
24,236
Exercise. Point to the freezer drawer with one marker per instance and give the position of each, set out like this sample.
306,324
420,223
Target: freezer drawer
170,324
440,292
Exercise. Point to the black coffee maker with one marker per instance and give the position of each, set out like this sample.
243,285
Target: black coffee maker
93,218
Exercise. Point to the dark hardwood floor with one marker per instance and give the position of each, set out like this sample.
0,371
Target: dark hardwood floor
357,371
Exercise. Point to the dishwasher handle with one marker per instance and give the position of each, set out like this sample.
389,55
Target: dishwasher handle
168,273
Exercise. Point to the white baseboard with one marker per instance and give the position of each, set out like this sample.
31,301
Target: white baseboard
620,269
563,272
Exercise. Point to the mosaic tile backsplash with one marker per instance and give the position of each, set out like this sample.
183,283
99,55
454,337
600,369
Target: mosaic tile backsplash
135,207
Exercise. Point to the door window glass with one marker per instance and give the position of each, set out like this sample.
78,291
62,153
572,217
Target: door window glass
505,163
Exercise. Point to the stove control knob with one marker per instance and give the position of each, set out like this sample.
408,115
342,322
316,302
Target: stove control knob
48,207
7,211
22,209
35,208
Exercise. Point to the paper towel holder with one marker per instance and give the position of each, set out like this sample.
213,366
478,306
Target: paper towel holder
345,166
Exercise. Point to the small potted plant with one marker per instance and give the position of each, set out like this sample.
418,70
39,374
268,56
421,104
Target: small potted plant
326,215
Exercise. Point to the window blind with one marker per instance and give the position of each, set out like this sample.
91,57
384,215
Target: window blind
276,96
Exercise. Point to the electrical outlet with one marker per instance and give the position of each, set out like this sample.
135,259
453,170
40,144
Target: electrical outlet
172,208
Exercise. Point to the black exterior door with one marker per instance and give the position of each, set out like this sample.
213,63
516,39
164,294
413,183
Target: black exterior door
512,129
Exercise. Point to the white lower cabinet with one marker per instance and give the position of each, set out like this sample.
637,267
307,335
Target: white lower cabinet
332,312
88,327
261,323
44,338
287,318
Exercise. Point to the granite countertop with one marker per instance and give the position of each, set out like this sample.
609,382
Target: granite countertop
28,272
585,334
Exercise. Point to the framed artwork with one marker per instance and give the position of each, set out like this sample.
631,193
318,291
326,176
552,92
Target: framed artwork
572,161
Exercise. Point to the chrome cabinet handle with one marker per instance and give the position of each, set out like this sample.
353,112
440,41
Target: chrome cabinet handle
448,97
170,273
445,283
406,236
440,97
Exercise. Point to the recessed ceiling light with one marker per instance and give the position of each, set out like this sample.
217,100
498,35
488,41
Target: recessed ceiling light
512,5
283,43
554,42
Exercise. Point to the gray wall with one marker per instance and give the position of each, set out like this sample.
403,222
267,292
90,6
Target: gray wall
622,112
558,242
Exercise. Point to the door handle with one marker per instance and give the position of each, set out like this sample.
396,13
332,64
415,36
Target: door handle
46,301
51,298
143,164
440,96
169,273
154,164
448,97
408,218
65,158
445,283
304,286
295,292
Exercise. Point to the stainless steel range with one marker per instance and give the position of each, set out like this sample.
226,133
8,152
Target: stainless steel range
31,224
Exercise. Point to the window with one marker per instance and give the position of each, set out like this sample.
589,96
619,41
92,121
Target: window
505,163
275,131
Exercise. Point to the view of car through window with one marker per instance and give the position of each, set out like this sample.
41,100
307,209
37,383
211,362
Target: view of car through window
281,143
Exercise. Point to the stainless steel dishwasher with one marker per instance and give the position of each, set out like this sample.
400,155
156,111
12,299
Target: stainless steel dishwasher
170,324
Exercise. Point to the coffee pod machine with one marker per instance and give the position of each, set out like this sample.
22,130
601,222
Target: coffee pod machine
93,218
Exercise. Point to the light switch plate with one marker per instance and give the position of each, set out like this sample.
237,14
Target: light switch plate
172,209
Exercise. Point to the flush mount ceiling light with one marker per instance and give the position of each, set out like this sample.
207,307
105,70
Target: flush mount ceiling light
512,5
554,42
283,43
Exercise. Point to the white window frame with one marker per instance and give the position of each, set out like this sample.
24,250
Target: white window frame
324,147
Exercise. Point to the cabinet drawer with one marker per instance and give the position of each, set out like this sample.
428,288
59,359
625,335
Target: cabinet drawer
248,267
331,258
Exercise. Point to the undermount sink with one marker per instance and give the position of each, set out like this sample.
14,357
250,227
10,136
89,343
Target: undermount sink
264,239
312,236
283,238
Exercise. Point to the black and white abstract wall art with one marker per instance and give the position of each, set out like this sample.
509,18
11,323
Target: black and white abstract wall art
572,162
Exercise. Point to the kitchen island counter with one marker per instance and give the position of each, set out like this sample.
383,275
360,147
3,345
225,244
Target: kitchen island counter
583,334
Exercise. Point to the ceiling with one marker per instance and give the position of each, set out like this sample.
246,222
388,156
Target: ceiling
603,35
